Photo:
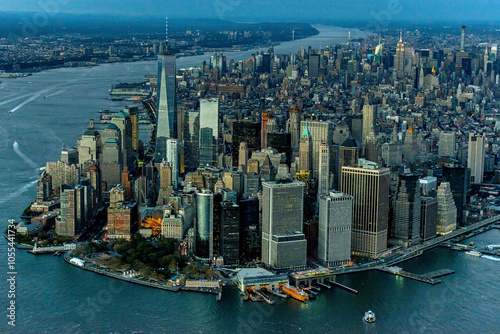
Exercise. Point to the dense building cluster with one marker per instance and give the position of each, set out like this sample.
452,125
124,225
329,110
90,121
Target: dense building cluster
330,155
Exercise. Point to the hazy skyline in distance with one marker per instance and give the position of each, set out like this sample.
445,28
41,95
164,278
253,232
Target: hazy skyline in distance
279,10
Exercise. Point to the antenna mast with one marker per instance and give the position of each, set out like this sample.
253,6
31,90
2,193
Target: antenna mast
166,34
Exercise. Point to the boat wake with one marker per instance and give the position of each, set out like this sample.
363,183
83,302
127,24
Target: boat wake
23,156
18,192
493,258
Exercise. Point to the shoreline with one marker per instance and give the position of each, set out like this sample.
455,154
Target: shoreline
136,281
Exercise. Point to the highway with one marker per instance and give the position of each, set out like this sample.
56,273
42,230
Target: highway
417,250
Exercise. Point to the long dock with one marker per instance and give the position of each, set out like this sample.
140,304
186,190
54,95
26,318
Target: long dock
344,287
428,278
440,273
325,285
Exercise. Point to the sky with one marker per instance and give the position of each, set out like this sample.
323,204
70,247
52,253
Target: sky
379,11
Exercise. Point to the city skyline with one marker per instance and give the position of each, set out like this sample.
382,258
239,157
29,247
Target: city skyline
278,168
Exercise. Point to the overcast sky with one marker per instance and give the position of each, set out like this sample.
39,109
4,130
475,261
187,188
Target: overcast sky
276,10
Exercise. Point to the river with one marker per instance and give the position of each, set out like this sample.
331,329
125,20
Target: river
52,109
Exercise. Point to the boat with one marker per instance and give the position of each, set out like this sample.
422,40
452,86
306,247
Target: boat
369,317
474,253
296,293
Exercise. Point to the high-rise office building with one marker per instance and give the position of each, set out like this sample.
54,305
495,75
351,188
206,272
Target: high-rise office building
428,217
230,233
459,178
250,233
166,188
191,140
89,145
243,157
282,142
67,224
399,59
313,65
165,99
283,243
305,150
348,154
173,159
293,128
446,211
411,144
406,222
320,132
204,222
209,131
246,131
476,157
335,225
369,186
369,120
447,143
324,183
122,215
123,122
134,119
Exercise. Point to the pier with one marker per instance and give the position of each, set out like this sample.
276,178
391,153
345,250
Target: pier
345,287
428,278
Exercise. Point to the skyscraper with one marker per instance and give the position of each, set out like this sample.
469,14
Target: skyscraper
459,178
399,59
335,224
313,68
173,159
369,186
428,217
369,120
410,148
407,208
348,154
305,150
191,140
89,145
165,99
204,222
250,239
447,211
476,157
123,122
324,169
283,243
320,132
209,131
243,157
230,233
447,143
249,132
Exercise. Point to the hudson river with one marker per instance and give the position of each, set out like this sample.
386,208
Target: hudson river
54,297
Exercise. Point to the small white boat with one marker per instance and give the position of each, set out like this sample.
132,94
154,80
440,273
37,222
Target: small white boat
474,253
369,317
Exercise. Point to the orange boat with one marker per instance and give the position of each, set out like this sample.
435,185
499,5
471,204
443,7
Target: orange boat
298,294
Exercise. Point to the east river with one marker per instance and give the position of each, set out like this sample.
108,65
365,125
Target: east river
52,109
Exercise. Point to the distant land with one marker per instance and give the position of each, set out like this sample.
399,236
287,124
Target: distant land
145,26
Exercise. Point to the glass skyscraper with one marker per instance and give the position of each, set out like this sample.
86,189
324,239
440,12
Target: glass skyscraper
165,102
209,131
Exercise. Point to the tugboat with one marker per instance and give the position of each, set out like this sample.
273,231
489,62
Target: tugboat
369,317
